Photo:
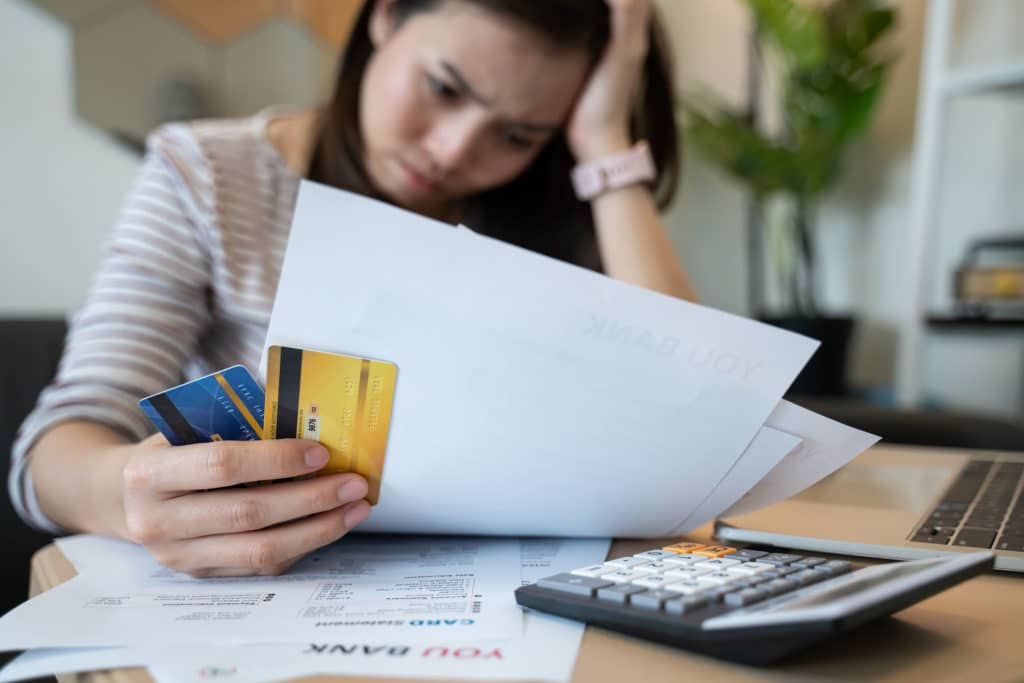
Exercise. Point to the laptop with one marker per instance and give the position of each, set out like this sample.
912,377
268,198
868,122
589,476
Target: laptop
901,502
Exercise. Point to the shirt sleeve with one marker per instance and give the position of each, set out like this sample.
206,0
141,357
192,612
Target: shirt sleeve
144,315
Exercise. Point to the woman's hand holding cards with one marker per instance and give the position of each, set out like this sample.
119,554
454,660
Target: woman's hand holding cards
184,505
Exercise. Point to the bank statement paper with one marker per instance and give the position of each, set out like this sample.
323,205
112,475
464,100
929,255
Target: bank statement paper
530,391
385,587
545,650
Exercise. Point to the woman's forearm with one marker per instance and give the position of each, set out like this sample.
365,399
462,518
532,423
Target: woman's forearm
635,247
77,473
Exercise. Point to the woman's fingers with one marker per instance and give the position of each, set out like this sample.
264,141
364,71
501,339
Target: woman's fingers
220,464
266,552
599,124
629,22
238,510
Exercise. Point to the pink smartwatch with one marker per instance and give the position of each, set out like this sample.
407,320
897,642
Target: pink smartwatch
628,168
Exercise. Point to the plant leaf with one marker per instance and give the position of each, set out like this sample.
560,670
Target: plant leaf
796,30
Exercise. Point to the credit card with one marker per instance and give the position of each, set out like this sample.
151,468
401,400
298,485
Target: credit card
222,406
344,402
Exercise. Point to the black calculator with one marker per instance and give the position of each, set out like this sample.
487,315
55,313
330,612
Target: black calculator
742,604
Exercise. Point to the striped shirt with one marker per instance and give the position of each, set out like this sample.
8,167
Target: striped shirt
185,287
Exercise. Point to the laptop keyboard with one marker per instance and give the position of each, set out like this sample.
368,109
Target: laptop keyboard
984,508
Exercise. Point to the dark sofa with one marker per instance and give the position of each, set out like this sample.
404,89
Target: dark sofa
29,352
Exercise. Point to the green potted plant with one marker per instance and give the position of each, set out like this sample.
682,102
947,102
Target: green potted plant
832,74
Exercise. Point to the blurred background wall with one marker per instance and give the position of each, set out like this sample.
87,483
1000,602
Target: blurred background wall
62,179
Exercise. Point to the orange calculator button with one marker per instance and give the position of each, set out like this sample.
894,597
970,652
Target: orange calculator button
713,551
683,548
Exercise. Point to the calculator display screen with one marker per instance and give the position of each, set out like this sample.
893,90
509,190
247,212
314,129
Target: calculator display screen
856,583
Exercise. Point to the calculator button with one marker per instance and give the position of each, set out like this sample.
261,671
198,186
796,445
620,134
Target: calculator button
716,594
750,568
718,563
683,548
720,578
777,586
684,560
577,585
656,567
807,577
833,568
621,576
594,570
652,581
786,570
746,596
626,562
687,572
618,593
690,587
809,562
655,554
714,551
780,558
756,580
651,599
685,604
746,554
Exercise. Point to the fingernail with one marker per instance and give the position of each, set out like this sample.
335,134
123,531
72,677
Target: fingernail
357,515
354,489
316,456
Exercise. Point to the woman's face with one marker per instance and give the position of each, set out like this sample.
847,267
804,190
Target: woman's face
459,100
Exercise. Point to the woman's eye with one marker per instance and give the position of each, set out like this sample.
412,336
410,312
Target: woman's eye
441,89
516,140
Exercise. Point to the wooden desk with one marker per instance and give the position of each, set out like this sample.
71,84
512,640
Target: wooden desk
973,632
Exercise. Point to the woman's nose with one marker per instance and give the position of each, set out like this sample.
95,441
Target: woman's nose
450,142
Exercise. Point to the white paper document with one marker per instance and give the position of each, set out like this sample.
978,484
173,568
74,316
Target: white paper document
545,650
530,392
395,588
795,449
826,446
766,451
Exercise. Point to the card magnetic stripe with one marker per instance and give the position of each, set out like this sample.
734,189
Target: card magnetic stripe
364,380
174,419
242,408
289,380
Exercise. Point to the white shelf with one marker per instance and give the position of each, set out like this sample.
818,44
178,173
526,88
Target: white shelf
987,79
940,85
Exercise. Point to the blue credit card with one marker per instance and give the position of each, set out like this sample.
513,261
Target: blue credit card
222,406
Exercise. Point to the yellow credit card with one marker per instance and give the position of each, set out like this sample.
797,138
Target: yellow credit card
344,402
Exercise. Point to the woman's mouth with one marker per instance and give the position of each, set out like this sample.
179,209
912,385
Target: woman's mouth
416,179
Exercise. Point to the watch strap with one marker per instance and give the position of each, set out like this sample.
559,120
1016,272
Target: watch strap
593,178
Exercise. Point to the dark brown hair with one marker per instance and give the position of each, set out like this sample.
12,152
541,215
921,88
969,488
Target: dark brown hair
537,210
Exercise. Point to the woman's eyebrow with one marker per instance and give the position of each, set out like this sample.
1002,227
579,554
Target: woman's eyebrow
465,87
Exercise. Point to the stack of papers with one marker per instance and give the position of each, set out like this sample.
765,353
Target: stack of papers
381,606
539,398
533,399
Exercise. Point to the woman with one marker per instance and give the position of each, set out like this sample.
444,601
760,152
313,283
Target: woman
469,111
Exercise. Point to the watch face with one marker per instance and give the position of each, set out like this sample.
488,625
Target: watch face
587,180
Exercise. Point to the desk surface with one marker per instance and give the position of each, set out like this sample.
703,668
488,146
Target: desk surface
972,632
